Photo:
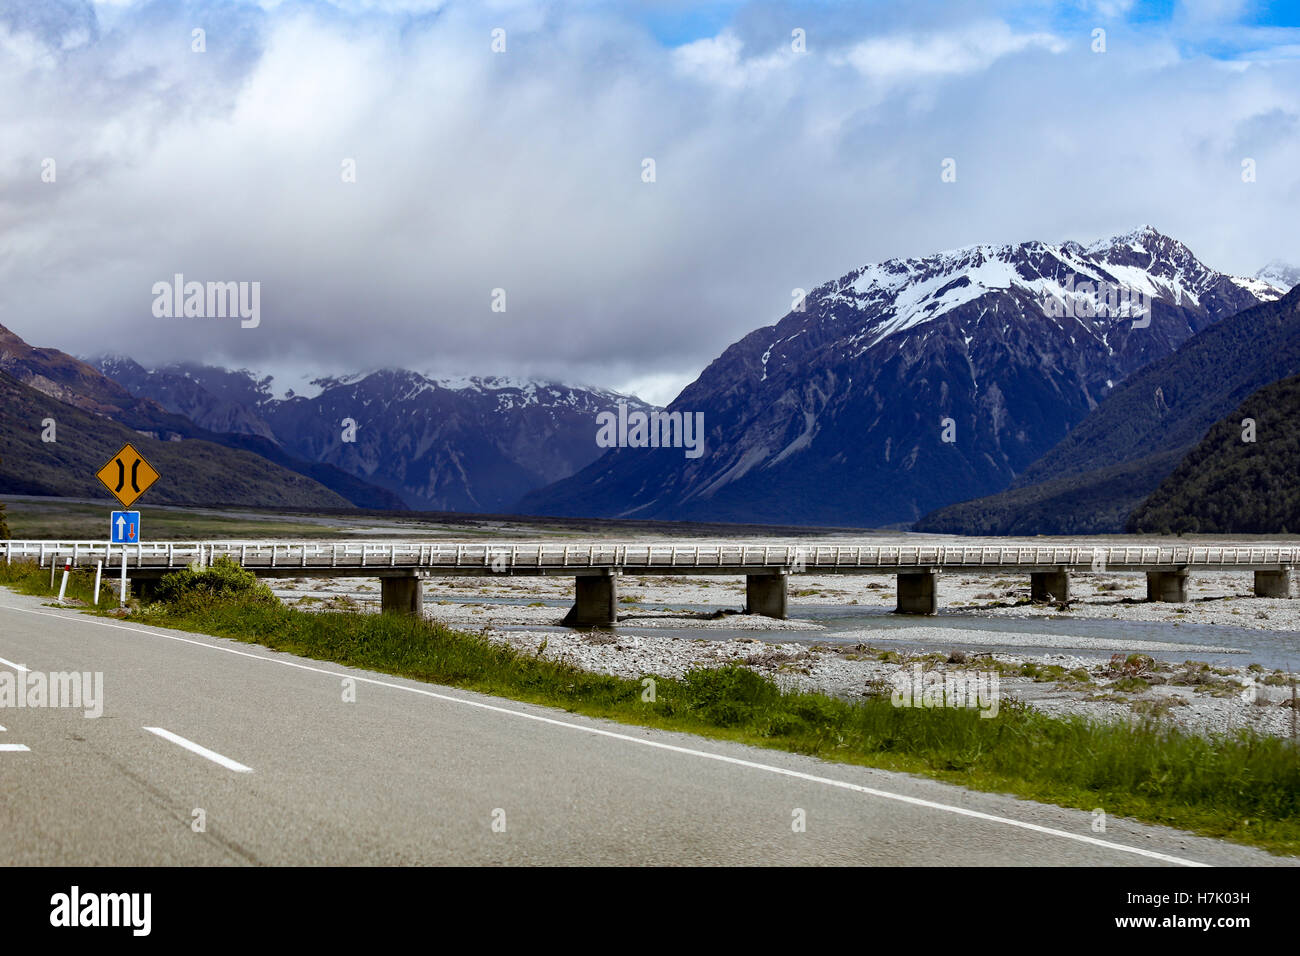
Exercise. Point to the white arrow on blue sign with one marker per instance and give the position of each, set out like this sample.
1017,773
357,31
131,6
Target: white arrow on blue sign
124,527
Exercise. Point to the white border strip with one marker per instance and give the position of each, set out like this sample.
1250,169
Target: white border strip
190,745
659,745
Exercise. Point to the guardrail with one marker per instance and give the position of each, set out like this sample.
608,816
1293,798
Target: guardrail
524,558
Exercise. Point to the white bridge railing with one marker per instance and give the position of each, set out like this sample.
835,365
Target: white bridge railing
507,557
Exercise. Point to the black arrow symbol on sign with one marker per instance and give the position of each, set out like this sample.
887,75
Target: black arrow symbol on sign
121,475
135,470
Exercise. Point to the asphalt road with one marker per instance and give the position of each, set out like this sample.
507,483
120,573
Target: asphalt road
288,772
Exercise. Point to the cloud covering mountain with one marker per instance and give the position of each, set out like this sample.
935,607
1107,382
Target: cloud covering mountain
523,170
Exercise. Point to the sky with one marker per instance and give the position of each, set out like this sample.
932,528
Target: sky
791,143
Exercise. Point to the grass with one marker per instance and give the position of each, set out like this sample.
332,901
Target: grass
33,519
77,521
1243,788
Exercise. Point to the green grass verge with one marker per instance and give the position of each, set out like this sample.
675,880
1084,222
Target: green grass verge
1243,788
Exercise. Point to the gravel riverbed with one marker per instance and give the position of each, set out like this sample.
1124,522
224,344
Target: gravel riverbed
1104,677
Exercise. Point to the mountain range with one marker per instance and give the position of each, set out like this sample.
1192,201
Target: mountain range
915,383
194,471
990,389
76,383
1095,477
473,444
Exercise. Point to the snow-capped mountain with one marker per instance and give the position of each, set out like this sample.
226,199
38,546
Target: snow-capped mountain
464,444
215,399
1281,275
914,383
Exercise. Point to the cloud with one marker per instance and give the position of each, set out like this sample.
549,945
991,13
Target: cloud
718,60
975,47
522,171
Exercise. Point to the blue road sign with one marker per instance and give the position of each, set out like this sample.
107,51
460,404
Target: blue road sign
124,527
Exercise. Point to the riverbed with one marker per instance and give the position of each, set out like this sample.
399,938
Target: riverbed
842,637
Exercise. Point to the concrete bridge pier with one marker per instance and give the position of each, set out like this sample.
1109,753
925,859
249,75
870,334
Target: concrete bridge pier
918,592
595,600
401,594
766,594
1049,586
1167,585
1273,584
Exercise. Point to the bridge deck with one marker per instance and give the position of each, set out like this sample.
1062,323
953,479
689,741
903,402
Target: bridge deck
434,559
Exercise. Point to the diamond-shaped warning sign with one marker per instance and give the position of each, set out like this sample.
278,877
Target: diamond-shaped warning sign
127,476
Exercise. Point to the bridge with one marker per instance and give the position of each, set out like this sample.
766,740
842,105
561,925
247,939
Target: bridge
400,566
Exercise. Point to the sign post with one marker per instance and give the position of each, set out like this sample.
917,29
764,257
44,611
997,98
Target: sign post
127,476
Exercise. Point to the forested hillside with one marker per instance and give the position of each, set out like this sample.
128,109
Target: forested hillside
1227,485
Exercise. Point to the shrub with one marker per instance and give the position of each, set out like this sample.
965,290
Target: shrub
225,580
728,696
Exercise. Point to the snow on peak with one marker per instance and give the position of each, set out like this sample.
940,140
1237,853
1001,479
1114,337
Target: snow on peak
1140,239
489,383
1113,274
1280,275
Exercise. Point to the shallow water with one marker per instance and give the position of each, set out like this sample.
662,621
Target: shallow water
853,625
1048,633
1203,641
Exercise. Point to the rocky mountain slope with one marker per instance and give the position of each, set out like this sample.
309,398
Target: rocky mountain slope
472,444
914,383
79,384
193,471
1093,479
196,392
83,386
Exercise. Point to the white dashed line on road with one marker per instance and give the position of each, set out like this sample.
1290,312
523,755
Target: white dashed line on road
13,748
191,746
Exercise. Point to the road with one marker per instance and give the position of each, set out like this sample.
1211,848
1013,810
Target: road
286,772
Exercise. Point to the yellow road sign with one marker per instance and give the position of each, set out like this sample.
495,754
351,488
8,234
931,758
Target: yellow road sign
127,476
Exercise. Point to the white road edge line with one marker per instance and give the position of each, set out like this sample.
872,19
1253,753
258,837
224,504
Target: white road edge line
14,748
596,731
190,745
17,667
